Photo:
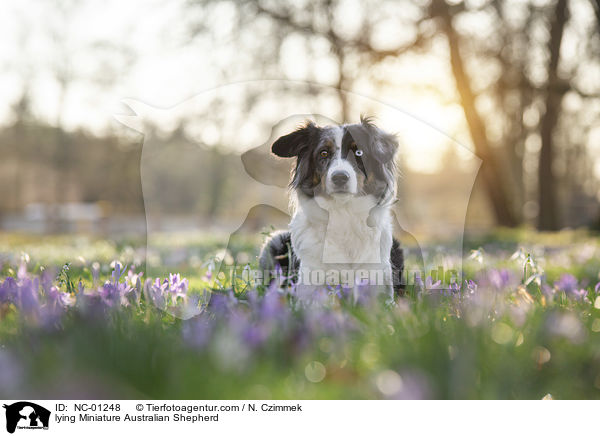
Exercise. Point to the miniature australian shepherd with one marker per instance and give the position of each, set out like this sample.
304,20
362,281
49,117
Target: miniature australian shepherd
342,188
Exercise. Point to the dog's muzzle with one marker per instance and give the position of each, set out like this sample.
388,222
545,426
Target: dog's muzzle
340,178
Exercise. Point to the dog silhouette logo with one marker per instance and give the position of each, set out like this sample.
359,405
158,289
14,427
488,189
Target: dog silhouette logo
26,415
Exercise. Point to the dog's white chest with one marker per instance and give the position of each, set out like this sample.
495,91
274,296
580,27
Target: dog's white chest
342,233
348,238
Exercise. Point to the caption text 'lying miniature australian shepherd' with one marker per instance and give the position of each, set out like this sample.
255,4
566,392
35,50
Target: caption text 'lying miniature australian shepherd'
342,189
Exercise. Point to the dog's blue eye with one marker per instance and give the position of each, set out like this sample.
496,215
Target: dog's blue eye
358,153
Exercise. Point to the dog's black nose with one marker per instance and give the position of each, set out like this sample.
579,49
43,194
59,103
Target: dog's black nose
339,178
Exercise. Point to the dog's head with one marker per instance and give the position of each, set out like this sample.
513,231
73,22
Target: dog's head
341,161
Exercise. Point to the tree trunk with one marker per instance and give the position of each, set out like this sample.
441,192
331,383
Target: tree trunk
493,176
548,213
342,85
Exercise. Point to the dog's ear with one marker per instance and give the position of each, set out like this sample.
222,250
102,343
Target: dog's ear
292,144
384,145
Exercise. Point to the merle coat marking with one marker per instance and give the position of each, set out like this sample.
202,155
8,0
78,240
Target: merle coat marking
342,187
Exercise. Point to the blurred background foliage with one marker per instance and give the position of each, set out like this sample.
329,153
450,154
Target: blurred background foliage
515,82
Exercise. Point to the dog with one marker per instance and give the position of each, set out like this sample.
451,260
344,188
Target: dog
342,187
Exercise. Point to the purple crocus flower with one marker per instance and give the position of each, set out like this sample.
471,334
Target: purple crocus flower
115,294
222,303
252,334
46,281
419,285
319,297
252,298
27,296
117,272
548,291
8,290
134,281
177,286
22,271
197,331
324,321
430,284
159,292
125,291
155,293
109,294
57,298
56,305
272,306
579,294
343,292
566,283
454,288
255,335
499,279
470,286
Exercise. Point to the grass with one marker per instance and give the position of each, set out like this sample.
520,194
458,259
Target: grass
517,334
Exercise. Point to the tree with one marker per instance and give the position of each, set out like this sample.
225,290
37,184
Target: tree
318,20
491,171
522,103
548,213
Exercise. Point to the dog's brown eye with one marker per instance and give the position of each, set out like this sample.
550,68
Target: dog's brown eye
324,153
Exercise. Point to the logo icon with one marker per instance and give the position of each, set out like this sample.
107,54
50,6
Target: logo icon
26,415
